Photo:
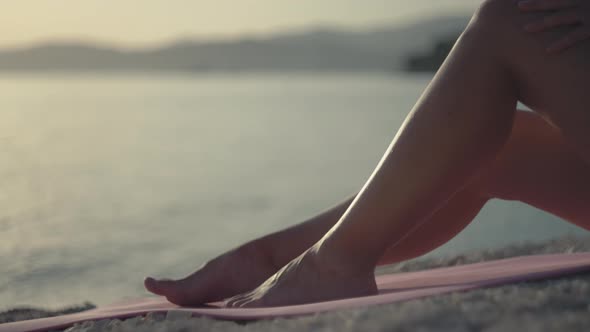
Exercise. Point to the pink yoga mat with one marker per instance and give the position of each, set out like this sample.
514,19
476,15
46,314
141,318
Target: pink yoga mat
392,288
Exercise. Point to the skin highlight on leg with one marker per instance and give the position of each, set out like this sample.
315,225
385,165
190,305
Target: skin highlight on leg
437,230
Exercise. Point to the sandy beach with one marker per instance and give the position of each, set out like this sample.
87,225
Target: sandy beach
552,305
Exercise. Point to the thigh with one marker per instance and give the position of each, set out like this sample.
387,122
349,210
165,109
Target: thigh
538,166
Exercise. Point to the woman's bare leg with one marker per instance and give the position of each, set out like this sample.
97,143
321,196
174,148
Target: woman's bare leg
535,166
458,127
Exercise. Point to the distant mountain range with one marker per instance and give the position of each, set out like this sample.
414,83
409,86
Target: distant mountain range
322,49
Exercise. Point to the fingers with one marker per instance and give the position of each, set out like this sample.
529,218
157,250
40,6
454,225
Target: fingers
571,39
563,17
542,5
555,20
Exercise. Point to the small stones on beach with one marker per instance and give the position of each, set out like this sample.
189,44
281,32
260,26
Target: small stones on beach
87,326
178,315
155,317
101,324
132,322
113,324
73,328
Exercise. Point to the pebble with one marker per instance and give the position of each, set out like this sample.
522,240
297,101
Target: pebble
177,314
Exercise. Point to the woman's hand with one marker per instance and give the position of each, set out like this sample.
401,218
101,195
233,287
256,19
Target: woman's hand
575,13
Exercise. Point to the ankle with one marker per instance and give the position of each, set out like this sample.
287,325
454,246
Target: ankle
339,262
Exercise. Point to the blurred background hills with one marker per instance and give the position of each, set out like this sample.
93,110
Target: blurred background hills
420,46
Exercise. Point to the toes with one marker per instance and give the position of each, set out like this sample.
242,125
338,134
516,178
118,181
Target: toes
243,303
231,302
159,287
250,303
176,291
234,302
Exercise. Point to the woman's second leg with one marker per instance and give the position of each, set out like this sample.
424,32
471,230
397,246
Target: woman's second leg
459,125
537,166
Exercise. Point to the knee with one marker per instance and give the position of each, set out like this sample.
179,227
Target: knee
494,10
497,26
496,19
497,12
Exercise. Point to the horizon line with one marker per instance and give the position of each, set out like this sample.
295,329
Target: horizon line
249,35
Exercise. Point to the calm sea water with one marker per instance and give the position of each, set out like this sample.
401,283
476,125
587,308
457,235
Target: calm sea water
106,179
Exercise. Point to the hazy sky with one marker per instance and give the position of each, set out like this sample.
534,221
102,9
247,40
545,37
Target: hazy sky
145,22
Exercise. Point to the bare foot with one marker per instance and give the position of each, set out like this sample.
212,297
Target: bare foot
232,273
307,279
